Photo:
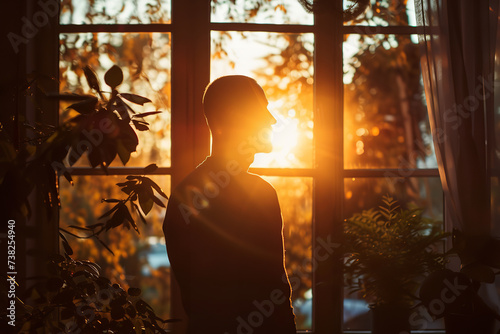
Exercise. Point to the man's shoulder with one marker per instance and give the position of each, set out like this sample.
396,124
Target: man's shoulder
261,187
196,176
260,181
218,175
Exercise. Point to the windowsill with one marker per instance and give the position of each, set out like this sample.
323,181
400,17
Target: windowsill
430,331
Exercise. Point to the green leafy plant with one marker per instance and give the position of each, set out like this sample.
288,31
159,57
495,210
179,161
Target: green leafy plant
102,129
139,189
479,256
480,263
75,295
387,250
75,298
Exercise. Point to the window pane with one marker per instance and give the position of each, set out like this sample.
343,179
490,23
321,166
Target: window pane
283,66
365,193
385,117
115,11
384,13
295,197
140,260
145,61
258,11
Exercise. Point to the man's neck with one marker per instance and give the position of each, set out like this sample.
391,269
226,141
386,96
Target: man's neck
227,155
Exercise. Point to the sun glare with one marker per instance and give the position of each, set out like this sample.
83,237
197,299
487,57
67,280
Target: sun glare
285,137
261,55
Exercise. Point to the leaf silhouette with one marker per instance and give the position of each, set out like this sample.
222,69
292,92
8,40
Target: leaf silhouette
86,106
139,213
67,247
154,185
114,76
137,99
145,199
123,153
105,246
91,78
128,137
141,126
157,201
134,291
107,213
149,113
150,168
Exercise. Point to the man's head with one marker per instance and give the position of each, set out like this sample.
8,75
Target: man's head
236,108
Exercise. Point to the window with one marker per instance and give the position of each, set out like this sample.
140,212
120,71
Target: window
343,138
142,49
388,147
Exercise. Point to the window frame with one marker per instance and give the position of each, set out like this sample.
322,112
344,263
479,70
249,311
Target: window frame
190,30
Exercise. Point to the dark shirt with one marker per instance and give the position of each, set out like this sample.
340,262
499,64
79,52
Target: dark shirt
224,237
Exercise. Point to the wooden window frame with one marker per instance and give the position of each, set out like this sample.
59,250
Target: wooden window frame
190,30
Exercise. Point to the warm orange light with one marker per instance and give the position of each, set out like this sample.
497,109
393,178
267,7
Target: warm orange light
286,134
361,132
360,147
285,137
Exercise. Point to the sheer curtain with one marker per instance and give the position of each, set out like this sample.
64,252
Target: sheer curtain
458,41
459,45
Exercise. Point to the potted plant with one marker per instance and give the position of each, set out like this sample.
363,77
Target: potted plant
455,296
76,298
388,250
72,295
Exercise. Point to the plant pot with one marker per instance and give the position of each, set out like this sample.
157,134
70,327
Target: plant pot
469,323
390,319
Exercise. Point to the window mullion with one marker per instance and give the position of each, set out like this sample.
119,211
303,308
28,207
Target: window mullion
328,186
392,172
386,30
190,75
283,28
121,28
119,171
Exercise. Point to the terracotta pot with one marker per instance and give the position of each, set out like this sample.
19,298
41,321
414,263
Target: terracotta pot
390,319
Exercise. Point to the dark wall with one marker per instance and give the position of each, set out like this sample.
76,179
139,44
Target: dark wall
12,64
29,48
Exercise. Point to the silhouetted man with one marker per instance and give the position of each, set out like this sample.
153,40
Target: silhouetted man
223,225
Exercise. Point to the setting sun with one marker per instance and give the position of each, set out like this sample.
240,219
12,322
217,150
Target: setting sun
261,55
284,138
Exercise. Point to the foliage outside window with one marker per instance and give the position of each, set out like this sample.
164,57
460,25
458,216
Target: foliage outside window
385,121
